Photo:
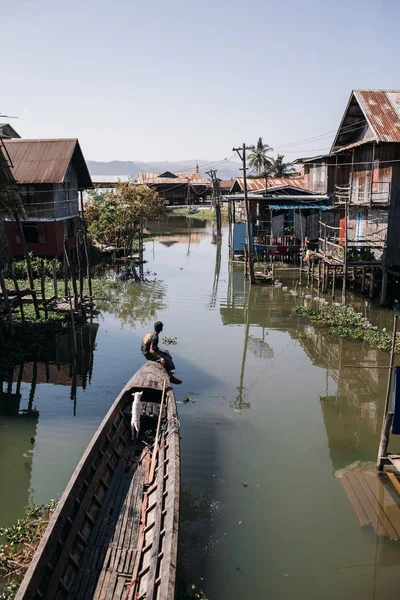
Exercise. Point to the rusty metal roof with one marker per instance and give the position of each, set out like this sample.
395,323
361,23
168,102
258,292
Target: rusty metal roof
258,184
47,161
174,178
225,184
382,111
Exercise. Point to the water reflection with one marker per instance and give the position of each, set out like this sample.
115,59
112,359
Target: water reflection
55,363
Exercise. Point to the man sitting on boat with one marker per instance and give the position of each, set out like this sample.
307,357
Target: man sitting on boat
151,351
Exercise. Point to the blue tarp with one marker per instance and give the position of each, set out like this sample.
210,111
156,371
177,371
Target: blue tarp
396,401
239,238
303,206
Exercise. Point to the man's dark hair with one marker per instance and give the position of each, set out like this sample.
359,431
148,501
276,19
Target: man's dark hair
158,326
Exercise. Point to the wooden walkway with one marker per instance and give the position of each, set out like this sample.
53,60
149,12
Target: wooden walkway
375,497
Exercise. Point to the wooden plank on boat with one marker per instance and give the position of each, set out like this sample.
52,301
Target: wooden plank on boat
171,519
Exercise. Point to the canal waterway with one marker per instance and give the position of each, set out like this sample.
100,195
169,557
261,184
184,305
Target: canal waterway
277,417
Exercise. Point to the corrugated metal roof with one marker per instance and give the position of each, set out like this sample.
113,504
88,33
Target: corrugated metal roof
177,178
258,184
47,161
382,111
225,184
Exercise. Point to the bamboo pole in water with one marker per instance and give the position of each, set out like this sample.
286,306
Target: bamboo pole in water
388,387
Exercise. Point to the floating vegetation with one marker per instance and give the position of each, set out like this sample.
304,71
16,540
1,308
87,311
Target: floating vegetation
344,322
20,543
187,399
170,341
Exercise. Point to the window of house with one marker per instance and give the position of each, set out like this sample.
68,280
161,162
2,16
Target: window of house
31,233
314,174
66,189
28,194
323,172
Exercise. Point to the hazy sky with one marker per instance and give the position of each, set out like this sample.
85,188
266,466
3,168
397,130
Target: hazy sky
182,79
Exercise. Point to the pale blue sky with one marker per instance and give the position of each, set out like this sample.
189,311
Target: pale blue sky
180,80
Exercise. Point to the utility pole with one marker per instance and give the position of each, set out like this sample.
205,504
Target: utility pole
241,152
215,199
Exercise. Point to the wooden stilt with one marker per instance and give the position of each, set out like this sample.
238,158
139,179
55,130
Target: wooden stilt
17,289
55,285
43,289
372,283
333,282
72,274
363,279
326,278
28,263
7,304
65,274
323,276
382,296
383,444
80,266
319,275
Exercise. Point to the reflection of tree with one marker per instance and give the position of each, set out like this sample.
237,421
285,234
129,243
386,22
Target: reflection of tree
139,302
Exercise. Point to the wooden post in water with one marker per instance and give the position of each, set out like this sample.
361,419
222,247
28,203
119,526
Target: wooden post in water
382,296
43,289
333,282
7,304
384,441
319,275
363,279
388,387
72,274
17,289
80,266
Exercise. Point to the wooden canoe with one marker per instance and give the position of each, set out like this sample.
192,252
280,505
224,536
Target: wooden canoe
114,533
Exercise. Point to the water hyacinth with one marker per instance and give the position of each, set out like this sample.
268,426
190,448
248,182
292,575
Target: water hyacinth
343,322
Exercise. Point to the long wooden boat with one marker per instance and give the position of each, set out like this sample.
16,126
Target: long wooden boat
114,534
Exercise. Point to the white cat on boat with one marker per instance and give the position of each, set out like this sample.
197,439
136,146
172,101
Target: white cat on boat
136,412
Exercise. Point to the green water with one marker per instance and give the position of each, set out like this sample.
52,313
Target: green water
275,408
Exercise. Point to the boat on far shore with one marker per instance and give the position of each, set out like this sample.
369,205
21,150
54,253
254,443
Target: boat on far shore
114,533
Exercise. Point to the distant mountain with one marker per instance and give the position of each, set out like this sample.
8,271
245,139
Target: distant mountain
227,169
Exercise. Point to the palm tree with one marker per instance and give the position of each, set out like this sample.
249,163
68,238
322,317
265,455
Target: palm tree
258,159
278,168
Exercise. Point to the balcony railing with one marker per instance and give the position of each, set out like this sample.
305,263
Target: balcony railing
52,210
363,194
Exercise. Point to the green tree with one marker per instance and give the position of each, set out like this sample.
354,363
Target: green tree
259,159
116,218
278,168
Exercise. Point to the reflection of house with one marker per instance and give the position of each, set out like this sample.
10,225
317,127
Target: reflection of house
50,174
178,188
351,417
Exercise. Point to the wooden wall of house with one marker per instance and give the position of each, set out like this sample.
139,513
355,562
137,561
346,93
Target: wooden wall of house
66,195
393,235
316,176
365,222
